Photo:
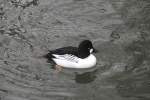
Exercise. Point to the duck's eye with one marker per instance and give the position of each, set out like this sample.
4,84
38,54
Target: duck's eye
89,48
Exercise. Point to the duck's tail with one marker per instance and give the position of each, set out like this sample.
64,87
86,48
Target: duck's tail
49,57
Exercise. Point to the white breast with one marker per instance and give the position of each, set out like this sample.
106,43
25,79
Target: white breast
70,61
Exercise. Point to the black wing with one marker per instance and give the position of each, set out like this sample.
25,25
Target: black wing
61,51
66,50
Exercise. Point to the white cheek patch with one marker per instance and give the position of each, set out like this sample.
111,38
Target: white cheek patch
91,50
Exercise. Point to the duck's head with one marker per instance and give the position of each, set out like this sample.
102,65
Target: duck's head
86,48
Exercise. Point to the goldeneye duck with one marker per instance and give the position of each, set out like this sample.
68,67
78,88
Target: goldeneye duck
73,57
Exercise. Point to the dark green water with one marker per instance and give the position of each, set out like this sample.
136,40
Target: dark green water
118,28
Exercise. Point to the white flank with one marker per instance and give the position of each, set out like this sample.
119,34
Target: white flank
71,61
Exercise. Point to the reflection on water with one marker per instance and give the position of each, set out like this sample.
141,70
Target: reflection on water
22,82
86,77
23,76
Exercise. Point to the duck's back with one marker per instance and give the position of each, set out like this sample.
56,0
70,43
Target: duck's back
65,50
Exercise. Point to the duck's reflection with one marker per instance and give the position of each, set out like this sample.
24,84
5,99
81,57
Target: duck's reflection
85,77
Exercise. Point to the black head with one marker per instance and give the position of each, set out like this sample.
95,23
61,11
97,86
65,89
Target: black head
85,48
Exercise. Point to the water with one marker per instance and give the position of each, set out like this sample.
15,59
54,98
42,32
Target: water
26,33
33,79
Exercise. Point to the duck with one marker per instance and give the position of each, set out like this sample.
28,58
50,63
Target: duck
80,57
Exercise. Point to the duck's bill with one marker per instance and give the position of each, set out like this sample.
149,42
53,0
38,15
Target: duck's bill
95,50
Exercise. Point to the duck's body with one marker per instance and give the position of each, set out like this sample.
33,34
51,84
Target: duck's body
70,61
73,57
